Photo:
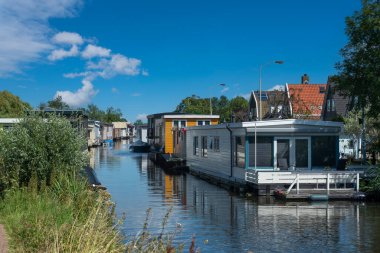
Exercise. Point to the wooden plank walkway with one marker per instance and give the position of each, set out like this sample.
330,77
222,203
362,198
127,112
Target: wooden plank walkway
3,240
334,194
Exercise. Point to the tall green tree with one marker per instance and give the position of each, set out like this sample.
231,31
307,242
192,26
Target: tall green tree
11,105
222,106
57,103
360,67
239,108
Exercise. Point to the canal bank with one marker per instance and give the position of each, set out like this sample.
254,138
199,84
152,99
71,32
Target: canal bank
223,221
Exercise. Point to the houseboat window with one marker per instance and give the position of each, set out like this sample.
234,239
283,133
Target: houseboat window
179,123
195,146
211,142
323,150
203,122
216,144
204,146
264,152
239,152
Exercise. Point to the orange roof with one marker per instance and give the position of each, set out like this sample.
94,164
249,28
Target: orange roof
307,99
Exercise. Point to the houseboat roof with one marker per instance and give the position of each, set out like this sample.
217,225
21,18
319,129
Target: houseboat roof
273,124
179,115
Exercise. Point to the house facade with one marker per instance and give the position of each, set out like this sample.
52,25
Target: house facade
120,130
162,125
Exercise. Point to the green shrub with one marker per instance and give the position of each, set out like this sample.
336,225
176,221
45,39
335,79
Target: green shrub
65,217
39,146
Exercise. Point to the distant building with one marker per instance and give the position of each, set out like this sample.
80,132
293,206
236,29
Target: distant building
120,130
142,132
93,133
275,105
162,125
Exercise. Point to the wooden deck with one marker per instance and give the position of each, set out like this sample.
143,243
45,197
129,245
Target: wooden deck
336,194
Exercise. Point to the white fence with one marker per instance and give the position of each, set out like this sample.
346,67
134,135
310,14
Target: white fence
295,179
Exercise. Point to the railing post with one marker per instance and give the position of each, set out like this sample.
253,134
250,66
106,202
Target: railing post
328,183
298,183
357,182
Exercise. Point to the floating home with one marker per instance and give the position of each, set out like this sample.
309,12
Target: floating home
161,127
266,155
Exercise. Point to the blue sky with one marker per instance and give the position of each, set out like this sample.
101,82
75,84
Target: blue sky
145,56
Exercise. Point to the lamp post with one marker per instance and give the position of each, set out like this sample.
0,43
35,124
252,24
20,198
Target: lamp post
261,69
221,84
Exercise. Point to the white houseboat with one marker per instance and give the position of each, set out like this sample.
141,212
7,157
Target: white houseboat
291,153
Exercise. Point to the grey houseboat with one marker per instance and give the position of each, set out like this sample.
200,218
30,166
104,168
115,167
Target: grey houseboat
266,154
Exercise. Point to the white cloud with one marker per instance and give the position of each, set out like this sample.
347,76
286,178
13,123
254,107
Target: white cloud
75,75
278,87
59,54
114,90
135,94
224,90
24,30
142,116
79,97
145,72
68,38
92,51
119,65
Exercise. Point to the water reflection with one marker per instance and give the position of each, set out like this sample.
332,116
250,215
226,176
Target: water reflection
229,222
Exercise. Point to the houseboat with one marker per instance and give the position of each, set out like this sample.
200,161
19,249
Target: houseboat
290,154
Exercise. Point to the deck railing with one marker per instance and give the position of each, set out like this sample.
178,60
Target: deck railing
295,178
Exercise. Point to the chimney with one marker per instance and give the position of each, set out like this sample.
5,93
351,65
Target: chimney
305,79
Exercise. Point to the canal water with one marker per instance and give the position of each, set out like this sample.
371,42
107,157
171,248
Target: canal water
221,221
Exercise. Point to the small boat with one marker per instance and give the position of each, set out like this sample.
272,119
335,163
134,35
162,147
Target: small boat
139,147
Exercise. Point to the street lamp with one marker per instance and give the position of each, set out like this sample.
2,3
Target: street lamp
261,69
222,85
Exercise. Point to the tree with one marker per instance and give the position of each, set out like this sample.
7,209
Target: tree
220,106
57,103
11,105
138,122
110,115
39,146
359,70
239,107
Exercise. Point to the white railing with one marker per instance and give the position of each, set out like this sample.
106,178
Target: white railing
295,179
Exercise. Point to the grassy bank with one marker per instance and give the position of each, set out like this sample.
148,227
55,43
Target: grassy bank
64,217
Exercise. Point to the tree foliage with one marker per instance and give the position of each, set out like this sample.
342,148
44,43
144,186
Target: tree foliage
58,103
108,116
11,105
37,147
222,106
359,70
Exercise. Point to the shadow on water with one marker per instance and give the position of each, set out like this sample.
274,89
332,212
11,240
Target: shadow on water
229,222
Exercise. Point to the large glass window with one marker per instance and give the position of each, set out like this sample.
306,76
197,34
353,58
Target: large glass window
216,144
302,153
264,152
323,149
239,152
